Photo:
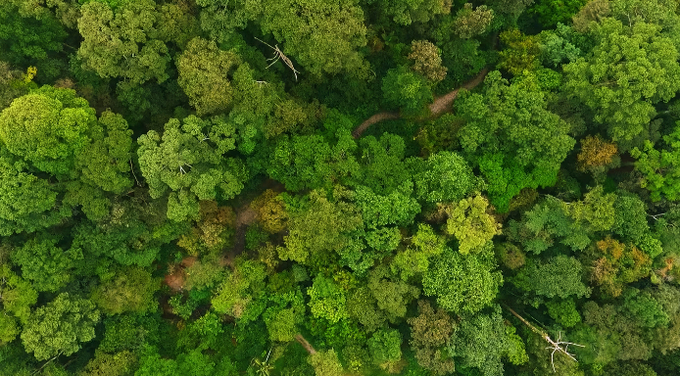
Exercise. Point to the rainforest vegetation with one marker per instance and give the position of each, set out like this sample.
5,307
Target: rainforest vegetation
339,187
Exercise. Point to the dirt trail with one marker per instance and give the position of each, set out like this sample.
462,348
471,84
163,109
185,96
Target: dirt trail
439,106
305,344
372,120
443,103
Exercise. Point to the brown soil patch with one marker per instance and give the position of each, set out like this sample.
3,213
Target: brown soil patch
176,280
439,106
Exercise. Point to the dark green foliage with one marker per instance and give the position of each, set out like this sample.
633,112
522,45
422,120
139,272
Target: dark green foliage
26,40
482,341
560,276
407,91
513,151
292,206
551,12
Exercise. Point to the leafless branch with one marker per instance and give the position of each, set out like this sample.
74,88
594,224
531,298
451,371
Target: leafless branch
132,169
558,346
656,216
278,55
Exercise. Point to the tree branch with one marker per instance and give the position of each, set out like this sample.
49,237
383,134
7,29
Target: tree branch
558,346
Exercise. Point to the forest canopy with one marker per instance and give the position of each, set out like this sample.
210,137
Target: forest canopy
339,187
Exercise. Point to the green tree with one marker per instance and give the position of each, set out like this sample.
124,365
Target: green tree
564,312
430,331
463,284
392,297
661,168
237,296
385,348
31,40
610,336
427,60
551,12
132,290
188,160
382,164
322,35
630,369
398,208
106,161
12,84
124,42
559,276
483,341
631,69
104,364
406,91
204,74
310,162
45,264
56,132
17,296
574,224
319,227
471,22
630,223
471,224
444,176
48,128
405,12
326,363
27,202
327,299
615,265
151,363
512,137
415,259
59,327
520,54
132,235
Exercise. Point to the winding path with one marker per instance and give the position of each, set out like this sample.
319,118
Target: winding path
439,106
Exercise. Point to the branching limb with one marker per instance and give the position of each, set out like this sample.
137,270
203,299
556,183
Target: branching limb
278,55
558,346
132,169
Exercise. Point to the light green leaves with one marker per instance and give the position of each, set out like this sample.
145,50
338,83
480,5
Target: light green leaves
661,168
60,327
463,284
123,43
470,223
47,128
188,160
204,72
630,70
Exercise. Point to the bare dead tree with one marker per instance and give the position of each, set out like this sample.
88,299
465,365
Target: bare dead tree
558,346
132,169
278,55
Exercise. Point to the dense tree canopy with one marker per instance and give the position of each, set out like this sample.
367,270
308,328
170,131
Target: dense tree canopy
339,187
